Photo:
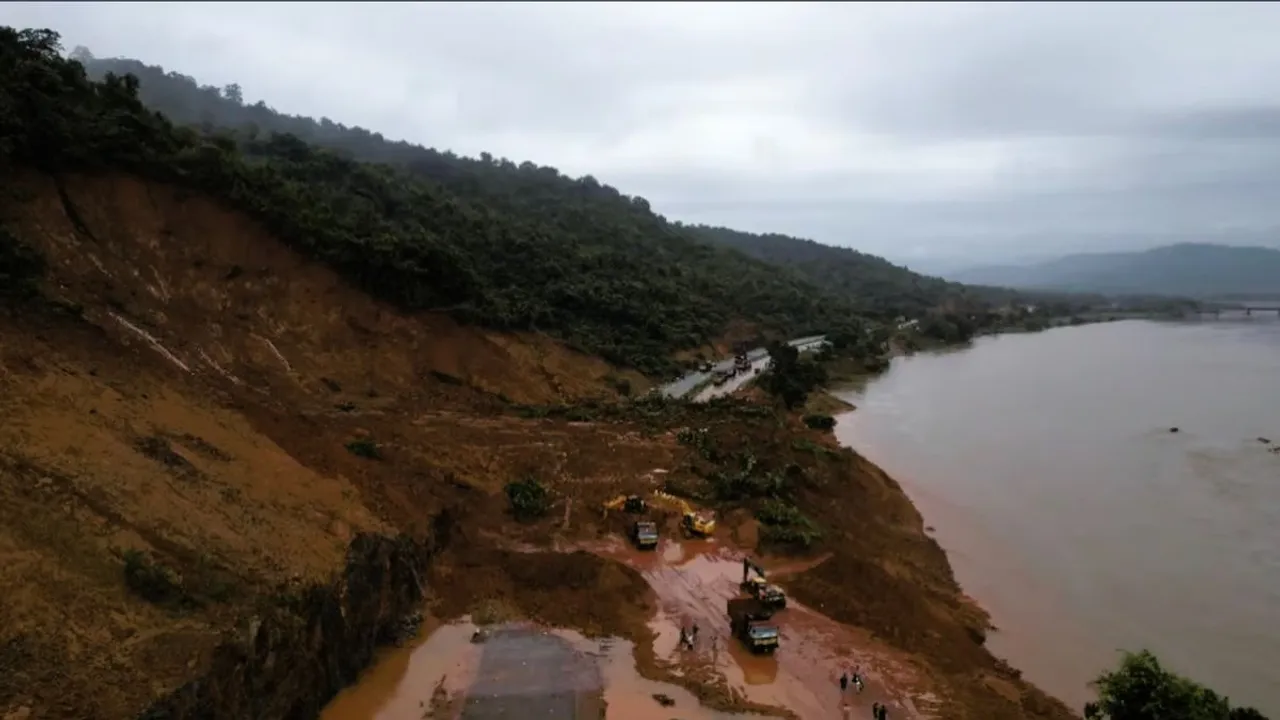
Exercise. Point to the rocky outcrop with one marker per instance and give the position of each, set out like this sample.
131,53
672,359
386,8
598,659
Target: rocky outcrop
295,657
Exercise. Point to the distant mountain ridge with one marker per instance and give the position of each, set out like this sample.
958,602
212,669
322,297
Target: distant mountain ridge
1184,269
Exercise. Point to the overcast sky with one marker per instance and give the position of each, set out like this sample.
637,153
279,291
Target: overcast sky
928,133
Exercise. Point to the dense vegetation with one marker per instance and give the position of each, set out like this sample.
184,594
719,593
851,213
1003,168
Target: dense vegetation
1140,689
514,247
615,230
791,378
1186,269
878,287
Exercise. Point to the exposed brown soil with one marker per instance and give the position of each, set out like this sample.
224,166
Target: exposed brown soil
196,403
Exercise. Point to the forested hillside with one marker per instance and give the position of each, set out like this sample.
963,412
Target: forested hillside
491,243
582,211
878,287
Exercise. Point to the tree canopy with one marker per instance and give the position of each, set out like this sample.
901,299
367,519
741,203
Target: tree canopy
790,377
1141,689
513,246
491,242
877,287
615,230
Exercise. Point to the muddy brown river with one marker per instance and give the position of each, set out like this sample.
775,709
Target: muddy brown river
1069,510
527,671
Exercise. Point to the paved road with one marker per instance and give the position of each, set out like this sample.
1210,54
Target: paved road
686,384
525,674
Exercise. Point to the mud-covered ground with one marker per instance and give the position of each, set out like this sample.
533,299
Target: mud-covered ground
196,421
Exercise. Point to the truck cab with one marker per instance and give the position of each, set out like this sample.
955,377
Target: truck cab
751,622
645,534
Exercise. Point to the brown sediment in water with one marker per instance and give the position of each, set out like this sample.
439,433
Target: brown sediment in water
1028,623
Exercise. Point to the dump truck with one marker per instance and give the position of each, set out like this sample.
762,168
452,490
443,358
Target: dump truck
751,622
757,585
644,534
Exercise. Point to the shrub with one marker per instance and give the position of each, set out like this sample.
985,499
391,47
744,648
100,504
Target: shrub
529,499
784,524
364,447
152,581
820,422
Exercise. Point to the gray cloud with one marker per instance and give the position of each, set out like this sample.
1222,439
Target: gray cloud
972,131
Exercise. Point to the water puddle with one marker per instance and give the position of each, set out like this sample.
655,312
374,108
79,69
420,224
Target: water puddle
514,671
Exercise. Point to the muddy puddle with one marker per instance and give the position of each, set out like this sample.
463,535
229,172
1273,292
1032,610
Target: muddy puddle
515,671
694,581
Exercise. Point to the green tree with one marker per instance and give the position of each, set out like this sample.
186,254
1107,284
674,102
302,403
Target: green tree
1141,689
790,377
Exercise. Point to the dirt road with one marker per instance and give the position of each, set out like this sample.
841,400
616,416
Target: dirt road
694,579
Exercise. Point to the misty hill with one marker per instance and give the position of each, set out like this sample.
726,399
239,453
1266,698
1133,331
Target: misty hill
1187,269
881,288
620,235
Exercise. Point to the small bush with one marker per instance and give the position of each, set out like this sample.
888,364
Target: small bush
365,448
784,524
152,581
820,422
529,499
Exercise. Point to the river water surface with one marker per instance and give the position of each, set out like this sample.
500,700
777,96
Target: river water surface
1072,513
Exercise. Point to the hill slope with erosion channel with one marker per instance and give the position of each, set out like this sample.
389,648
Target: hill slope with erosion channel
228,473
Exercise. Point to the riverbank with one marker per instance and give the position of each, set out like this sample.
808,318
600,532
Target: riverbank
867,571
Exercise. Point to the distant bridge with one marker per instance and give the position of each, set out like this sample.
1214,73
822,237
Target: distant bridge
1218,310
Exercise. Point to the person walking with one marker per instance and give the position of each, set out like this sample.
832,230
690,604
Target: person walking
875,711
857,678
884,713
844,683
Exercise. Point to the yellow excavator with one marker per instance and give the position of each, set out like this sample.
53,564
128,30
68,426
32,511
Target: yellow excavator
633,504
701,523
758,586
